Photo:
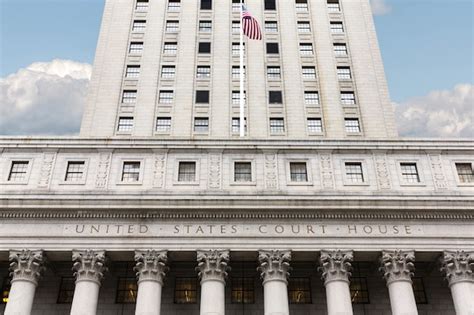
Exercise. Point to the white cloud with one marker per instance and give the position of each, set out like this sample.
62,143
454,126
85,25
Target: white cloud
446,113
380,7
44,98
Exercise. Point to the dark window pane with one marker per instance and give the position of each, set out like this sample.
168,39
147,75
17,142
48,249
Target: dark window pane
270,5
206,4
202,97
185,291
275,97
127,289
299,290
204,48
272,48
243,290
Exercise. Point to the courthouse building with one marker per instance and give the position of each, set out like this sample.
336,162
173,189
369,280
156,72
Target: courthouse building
160,206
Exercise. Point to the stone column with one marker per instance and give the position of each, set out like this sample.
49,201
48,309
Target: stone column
398,269
89,268
336,269
274,269
151,270
26,267
212,268
458,267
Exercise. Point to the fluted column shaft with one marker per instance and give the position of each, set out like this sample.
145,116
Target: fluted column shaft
458,267
89,268
212,268
274,269
398,267
151,269
25,267
336,270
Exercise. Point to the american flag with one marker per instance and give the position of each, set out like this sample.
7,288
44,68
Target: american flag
250,25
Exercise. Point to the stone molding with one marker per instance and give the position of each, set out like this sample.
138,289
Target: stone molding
458,266
26,265
213,265
274,265
336,265
397,265
151,265
89,265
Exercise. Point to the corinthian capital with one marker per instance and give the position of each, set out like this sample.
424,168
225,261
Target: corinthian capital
212,264
151,265
397,265
26,265
89,265
458,266
335,265
274,265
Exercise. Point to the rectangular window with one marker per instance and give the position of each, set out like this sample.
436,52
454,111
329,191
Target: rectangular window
298,172
6,286
185,290
170,48
201,124
311,98
304,27
306,49
187,172
166,97
75,171
66,290
139,26
205,26
315,125
336,27
236,97
277,125
348,98
163,124
465,172
272,48
309,73
203,72
334,6
358,286
172,26
409,172
235,27
236,124
273,72
142,5
299,290
301,5
206,4
132,72
243,290
131,172
270,4
271,26
236,72
354,172
18,171
419,290
344,73
204,48
125,124
174,5
202,97
127,289
340,49
275,97
236,5
168,72
236,49
136,48
129,97
352,125
242,172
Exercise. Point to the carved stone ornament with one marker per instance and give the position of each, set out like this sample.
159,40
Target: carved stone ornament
26,265
397,265
458,266
89,265
212,264
151,265
274,265
335,265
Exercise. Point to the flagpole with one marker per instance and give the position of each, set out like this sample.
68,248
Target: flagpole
241,72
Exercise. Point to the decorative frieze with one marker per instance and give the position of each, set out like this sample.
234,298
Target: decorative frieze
438,173
213,264
214,180
327,173
271,173
26,265
458,266
274,265
397,265
46,169
103,170
159,170
151,265
335,265
89,265
383,175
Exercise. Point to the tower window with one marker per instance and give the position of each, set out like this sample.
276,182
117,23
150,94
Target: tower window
136,48
352,125
206,4
168,72
311,98
205,26
236,72
187,172
242,172
170,48
336,27
125,124
344,73
74,171
236,49
277,125
272,48
315,125
340,49
273,72
201,124
304,27
174,5
236,97
132,72
301,5
204,48
306,49
270,5
236,124
163,124
142,5
172,26
166,97
354,172
202,97
334,6
203,72
271,26
129,96
410,172
348,98
309,72
275,97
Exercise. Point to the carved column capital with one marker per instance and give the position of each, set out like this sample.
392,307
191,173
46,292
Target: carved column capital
89,265
335,265
151,265
397,265
274,265
458,266
212,265
26,265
